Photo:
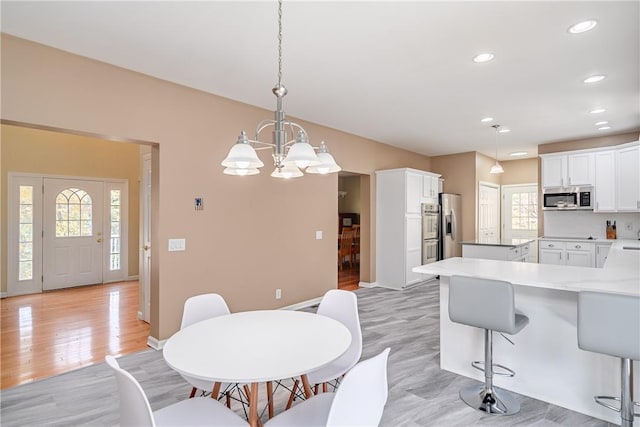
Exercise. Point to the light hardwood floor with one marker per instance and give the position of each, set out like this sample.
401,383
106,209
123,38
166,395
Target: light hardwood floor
54,332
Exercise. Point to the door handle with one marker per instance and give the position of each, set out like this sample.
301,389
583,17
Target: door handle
99,240
146,247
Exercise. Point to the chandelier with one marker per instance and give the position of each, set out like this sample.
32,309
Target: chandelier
290,157
497,167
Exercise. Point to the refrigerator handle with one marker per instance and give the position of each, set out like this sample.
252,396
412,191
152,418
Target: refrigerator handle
453,225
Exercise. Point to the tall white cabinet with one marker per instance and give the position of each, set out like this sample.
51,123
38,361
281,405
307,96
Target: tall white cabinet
399,197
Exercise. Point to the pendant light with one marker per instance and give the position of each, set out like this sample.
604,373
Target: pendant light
497,167
289,156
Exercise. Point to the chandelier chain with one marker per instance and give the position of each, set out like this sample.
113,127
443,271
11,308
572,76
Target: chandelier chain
279,43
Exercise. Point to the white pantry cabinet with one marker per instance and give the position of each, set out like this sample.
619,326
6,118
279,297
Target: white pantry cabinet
399,198
562,170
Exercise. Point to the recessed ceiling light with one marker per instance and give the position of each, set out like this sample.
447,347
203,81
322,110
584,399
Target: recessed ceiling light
604,128
487,120
604,122
595,79
504,130
518,153
483,57
597,111
583,26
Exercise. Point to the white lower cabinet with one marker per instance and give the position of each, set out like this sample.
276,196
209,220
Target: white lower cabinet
602,250
519,253
578,254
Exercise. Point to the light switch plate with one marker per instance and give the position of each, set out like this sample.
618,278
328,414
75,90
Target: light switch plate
176,245
319,235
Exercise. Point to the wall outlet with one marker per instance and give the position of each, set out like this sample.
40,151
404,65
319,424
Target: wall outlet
628,226
278,293
319,235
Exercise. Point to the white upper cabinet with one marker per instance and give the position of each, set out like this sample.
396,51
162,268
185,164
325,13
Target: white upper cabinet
628,178
430,187
605,184
580,169
414,192
563,170
554,170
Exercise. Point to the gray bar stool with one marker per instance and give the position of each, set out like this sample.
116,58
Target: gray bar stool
487,304
610,324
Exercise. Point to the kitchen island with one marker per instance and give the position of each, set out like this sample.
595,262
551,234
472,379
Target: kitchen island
548,363
500,249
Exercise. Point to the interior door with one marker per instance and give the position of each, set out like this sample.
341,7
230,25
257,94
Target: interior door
73,239
488,211
145,238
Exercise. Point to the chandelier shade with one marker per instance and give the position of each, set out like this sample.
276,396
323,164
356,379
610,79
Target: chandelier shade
287,171
242,155
241,171
289,156
327,162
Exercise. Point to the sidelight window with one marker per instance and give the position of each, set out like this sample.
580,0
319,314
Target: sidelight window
115,205
25,242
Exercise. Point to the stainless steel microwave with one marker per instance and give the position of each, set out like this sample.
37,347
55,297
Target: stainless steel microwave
574,198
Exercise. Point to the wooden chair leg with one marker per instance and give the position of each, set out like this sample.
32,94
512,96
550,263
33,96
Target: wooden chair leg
293,395
228,395
193,392
324,387
315,389
306,387
216,391
270,398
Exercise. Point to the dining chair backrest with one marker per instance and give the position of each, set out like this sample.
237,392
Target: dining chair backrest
360,399
342,306
134,406
203,307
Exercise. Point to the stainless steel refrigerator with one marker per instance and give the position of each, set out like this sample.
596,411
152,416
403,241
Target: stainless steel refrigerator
451,223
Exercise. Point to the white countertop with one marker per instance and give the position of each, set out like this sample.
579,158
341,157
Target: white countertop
599,240
621,272
492,241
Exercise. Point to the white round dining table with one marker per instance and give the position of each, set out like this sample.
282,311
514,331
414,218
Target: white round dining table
257,346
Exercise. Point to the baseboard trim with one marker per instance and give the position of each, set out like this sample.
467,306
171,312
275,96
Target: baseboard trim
134,277
3,294
154,343
367,284
303,304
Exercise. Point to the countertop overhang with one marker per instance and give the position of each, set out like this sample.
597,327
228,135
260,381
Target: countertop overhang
620,274
511,243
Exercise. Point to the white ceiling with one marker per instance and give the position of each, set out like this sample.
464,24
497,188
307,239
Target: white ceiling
396,72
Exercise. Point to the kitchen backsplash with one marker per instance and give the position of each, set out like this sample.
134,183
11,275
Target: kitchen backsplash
586,223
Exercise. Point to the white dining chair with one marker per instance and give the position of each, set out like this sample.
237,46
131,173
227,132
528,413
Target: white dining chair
196,309
135,410
341,306
359,401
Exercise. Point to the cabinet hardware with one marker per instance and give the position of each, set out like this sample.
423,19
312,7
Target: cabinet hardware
551,245
578,246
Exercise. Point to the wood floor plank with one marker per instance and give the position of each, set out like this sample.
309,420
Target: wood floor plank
54,332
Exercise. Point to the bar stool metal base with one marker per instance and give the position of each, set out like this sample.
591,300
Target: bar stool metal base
497,402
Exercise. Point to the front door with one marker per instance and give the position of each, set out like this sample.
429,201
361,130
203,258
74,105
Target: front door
73,236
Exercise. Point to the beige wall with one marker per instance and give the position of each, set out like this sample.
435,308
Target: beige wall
459,174
351,202
255,233
50,153
522,171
